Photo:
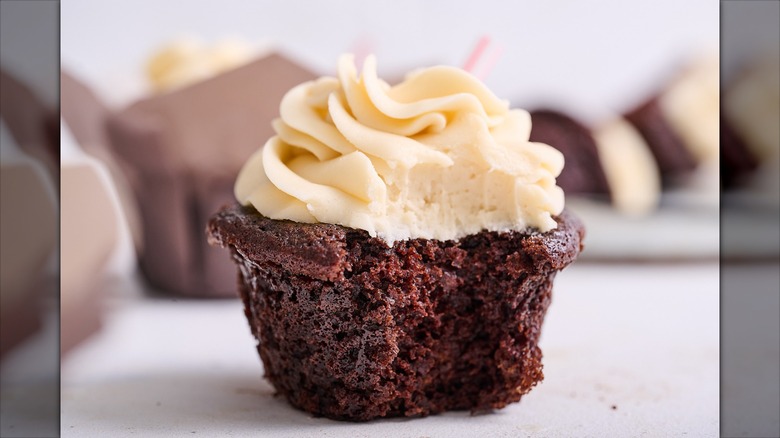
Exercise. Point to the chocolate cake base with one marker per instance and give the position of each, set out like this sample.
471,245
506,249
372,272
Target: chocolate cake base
352,329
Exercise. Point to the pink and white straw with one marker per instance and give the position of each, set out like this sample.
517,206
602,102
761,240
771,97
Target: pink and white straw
477,54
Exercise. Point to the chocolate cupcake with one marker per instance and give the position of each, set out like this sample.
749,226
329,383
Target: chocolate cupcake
180,151
665,143
750,142
397,245
680,122
29,176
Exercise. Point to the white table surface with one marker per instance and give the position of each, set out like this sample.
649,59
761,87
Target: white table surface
629,350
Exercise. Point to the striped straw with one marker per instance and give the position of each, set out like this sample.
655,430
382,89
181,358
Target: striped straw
478,54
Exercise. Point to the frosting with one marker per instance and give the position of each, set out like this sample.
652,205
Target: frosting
437,156
631,170
691,105
186,61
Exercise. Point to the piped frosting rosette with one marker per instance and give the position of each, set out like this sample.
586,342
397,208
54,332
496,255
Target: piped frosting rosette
437,156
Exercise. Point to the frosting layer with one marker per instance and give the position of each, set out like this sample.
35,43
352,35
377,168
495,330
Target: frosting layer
187,61
437,156
692,107
631,170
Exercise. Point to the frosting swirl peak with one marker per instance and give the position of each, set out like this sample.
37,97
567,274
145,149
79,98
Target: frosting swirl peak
437,156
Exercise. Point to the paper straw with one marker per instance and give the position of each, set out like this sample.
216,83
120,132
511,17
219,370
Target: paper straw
476,53
478,58
490,62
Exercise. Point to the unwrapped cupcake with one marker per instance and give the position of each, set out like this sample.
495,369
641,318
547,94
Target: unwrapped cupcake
397,245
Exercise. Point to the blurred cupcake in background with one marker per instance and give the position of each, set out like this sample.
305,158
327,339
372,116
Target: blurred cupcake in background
751,159
181,146
652,164
29,179
751,110
667,144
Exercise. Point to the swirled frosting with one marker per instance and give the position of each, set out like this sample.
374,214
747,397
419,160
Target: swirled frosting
437,156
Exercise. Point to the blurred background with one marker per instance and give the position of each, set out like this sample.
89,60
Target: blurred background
591,61
596,56
146,305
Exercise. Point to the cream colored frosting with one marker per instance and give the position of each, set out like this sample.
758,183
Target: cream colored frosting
692,106
188,60
632,173
437,156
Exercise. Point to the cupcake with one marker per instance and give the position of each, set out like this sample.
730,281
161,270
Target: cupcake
181,148
680,123
28,226
397,245
29,178
750,142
